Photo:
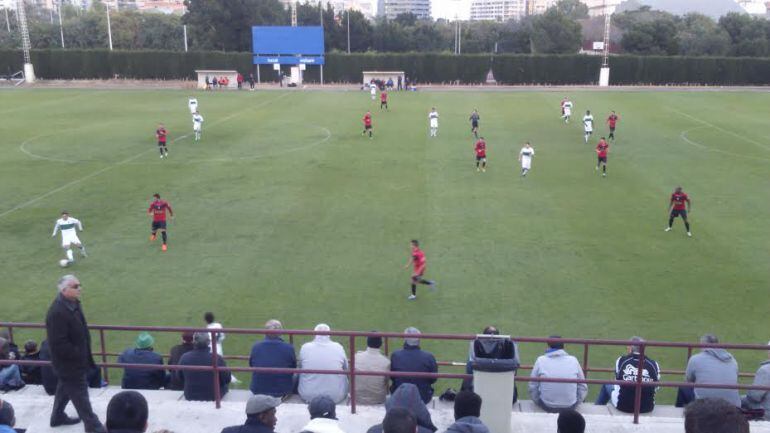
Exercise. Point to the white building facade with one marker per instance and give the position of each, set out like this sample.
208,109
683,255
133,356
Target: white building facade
498,10
393,8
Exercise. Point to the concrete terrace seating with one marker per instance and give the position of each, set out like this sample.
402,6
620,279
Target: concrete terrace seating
168,410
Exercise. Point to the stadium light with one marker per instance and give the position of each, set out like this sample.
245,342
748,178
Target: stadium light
7,21
61,26
604,72
109,26
21,14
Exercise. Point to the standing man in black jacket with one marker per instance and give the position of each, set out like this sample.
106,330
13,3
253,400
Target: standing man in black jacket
70,345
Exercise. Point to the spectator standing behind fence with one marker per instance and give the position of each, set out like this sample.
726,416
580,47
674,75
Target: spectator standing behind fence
127,412
627,369
711,365
323,354
714,415
260,415
323,416
10,375
239,80
372,389
198,385
467,412
756,398
70,344
142,353
30,374
413,359
175,379
557,363
407,396
273,352
7,417
570,421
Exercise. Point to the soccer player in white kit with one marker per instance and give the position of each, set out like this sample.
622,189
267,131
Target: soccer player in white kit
197,120
525,157
69,237
566,110
433,119
192,103
588,125
373,91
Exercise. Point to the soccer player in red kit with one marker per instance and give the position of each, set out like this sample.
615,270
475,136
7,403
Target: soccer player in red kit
601,152
417,260
367,124
612,122
481,154
679,206
158,210
161,134
384,100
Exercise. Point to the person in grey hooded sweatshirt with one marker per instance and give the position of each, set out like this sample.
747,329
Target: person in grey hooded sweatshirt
557,363
756,398
407,396
467,413
711,365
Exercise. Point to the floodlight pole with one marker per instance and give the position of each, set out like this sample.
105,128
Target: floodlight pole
21,15
61,26
604,72
348,12
7,21
109,26
184,30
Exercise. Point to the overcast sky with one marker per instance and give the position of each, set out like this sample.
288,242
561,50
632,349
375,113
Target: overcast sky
450,8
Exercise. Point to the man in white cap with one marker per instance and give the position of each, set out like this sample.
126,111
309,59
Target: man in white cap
323,354
260,415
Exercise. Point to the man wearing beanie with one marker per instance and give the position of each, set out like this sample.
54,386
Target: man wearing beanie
7,417
127,413
413,359
372,389
323,416
175,379
260,415
142,353
467,412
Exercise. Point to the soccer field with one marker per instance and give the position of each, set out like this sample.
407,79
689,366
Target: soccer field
284,210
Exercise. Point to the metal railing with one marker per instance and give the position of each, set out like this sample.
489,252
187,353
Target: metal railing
352,373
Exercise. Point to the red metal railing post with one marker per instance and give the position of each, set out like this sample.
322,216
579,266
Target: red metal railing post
215,366
387,350
291,339
585,360
105,370
352,374
10,334
638,385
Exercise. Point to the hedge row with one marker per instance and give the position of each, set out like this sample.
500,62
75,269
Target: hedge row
434,68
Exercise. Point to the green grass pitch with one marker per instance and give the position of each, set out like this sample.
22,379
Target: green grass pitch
285,211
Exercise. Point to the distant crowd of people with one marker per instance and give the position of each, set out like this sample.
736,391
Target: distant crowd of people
223,82
68,347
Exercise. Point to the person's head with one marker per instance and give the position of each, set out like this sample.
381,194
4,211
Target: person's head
209,317
322,407
262,407
415,243
555,345
613,112
156,196
635,347
144,341
399,420
604,139
69,287
273,324
65,215
433,109
678,189
475,110
588,112
570,421
467,403
527,144
709,339
127,410
412,341
491,330
374,342
187,337
30,347
160,125
712,415
201,340
7,414
481,138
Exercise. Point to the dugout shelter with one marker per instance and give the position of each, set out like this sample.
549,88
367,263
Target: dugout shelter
297,47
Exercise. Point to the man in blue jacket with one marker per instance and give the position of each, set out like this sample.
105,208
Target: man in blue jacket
142,353
199,385
272,352
413,359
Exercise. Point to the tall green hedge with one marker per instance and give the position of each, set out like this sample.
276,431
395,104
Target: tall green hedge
433,67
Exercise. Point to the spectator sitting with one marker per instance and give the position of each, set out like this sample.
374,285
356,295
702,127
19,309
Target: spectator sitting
142,353
260,415
407,396
198,384
30,374
323,354
323,416
557,363
494,349
10,375
175,379
127,412
272,352
711,365
372,389
714,415
756,398
7,417
570,421
399,420
467,413
627,369
13,349
413,359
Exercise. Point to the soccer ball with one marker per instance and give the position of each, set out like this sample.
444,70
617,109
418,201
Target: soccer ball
64,263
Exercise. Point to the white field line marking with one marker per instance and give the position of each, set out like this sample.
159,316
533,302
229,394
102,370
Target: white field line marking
118,164
683,136
734,134
36,156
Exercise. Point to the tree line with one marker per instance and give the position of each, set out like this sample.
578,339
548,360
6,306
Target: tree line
226,26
